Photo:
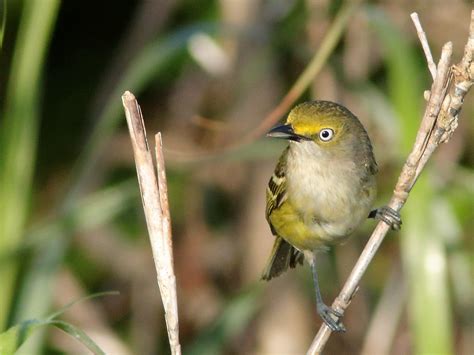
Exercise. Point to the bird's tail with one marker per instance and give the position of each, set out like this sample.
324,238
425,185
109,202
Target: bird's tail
283,255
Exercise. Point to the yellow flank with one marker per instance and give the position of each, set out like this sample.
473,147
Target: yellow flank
291,227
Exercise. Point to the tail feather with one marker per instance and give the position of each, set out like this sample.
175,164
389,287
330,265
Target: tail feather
283,255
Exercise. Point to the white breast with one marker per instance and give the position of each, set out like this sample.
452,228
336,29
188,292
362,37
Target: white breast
328,195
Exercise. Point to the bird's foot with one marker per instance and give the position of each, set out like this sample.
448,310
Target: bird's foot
327,313
388,215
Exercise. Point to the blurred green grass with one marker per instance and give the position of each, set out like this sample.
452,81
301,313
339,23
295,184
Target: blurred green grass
19,135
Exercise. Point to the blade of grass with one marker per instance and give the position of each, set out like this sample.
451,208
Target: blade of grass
425,263
19,134
91,211
12,339
4,23
63,309
78,334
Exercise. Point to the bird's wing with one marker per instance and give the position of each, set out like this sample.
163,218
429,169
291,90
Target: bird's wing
283,254
276,189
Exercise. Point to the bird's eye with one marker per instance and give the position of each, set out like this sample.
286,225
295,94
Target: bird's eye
326,134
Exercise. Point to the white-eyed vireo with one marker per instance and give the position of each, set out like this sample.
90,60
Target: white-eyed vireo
323,187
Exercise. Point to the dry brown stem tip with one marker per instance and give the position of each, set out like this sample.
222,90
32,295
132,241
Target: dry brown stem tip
154,195
424,44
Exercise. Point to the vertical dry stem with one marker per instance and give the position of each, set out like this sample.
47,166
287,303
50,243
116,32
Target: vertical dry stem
449,88
154,195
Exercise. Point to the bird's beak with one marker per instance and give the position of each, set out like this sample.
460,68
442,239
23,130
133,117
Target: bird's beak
285,131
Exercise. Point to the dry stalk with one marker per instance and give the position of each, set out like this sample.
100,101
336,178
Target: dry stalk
424,44
154,195
450,85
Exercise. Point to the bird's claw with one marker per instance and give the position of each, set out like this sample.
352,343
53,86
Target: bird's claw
388,215
327,313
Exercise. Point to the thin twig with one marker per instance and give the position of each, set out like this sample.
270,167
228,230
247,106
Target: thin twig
448,90
168,290
424,44
87,315
155,205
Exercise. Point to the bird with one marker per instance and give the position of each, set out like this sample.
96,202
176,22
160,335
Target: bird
322,189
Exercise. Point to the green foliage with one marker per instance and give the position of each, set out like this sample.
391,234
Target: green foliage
3,23
15,336
12,339
19,134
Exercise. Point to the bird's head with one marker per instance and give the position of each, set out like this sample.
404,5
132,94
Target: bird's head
325,123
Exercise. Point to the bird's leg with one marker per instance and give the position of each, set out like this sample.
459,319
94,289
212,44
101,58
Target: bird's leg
324,311
388,215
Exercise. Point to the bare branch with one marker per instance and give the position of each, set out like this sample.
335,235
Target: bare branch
448,90
424,44
155,205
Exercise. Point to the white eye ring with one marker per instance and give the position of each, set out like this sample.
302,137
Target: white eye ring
326,134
